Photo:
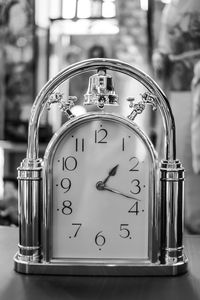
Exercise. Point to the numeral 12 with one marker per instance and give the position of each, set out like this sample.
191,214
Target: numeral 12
100,136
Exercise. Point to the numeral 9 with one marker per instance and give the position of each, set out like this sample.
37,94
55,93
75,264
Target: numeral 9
66,184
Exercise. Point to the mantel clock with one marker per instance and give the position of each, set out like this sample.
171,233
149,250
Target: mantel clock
99,202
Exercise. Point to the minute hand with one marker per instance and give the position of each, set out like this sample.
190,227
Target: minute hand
119,193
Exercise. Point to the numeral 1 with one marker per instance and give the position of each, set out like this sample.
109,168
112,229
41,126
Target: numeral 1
123,144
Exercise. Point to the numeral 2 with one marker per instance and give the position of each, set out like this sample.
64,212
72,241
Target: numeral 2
135,163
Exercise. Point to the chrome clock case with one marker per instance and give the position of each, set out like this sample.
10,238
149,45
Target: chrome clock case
166,187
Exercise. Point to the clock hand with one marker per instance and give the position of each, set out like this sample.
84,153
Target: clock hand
101,187
119,193
112,172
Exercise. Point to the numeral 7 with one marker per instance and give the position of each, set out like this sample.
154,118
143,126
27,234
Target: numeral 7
77,228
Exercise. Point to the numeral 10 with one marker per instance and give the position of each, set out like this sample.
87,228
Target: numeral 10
69,163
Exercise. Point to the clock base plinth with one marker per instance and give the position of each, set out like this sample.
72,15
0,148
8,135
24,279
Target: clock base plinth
100,269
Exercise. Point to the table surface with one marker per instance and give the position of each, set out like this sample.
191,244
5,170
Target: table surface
35,287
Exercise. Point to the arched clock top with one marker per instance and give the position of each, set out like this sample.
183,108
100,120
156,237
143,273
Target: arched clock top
94,64
56,139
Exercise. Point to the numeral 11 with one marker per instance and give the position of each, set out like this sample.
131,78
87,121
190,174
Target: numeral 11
80,144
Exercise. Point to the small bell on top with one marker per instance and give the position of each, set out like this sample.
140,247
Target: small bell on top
101,90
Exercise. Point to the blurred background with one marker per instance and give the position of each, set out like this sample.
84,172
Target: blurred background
39,38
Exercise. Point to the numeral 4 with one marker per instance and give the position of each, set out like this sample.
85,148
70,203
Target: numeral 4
134,209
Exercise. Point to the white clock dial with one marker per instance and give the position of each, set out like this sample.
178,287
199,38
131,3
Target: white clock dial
100,196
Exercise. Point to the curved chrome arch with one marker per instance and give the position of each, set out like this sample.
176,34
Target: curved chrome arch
111,64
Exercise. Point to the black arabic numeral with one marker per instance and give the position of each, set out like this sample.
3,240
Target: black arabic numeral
100,136
124,231
79,145
78,226
67,207
69,163
136,186
100,239
135,162
66,184
123,144
134,209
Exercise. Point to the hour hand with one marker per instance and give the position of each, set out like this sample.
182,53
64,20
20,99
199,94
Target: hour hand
102,187
112,172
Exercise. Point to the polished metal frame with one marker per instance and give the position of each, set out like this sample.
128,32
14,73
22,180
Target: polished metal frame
48,183
34,234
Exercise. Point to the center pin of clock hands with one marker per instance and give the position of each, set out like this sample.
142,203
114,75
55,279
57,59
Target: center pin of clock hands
101,185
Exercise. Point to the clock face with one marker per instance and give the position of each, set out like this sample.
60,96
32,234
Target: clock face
101,180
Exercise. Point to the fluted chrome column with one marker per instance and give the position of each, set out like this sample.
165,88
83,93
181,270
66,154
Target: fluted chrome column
172,201
29,194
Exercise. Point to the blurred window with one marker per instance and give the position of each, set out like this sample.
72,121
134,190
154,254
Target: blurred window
82,9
